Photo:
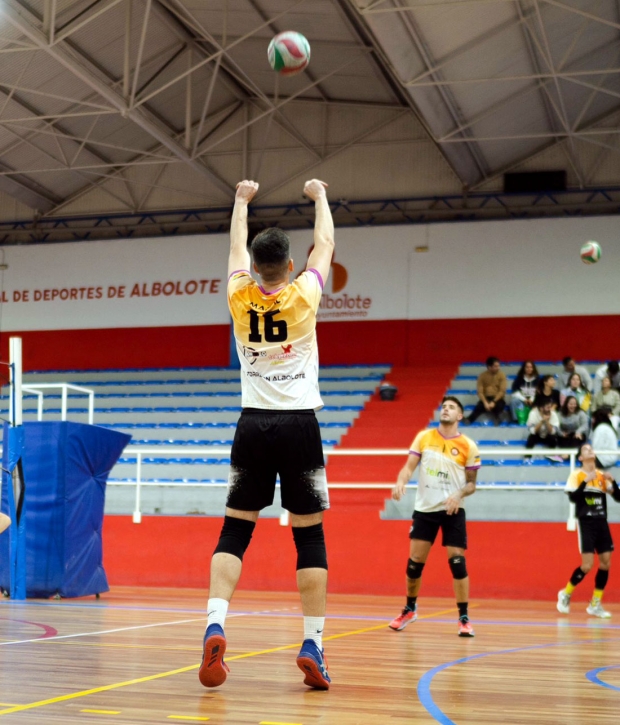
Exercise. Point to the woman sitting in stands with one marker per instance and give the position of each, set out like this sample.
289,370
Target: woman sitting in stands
547,393
604,438
524,390
578,390
608,398
573,424
5,522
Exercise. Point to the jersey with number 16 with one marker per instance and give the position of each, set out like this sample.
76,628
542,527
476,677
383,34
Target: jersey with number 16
275,335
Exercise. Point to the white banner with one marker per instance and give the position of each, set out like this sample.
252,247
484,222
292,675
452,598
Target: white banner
121,283
476,269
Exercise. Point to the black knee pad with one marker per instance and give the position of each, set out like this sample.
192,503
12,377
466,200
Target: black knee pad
414,569
457,566
310,545
235,536
600,581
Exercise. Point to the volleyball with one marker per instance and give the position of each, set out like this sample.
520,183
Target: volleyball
288,53
590,252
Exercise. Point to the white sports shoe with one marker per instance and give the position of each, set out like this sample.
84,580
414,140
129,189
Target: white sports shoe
595,609
563,602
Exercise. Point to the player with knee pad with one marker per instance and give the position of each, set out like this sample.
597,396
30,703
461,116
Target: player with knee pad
588,489
449,465
277,432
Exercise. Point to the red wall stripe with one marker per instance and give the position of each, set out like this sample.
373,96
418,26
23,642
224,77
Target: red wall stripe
399,342
366,555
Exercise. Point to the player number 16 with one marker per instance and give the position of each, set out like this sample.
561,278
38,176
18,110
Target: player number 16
275,330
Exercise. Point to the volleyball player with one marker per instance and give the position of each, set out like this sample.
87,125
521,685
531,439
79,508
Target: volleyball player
277,433
449,463
588,489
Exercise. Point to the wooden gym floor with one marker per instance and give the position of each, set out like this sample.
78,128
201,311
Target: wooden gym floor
133,655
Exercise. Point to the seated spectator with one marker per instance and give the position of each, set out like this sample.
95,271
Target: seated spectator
569,367
547,393
577,389
573,424
543,425
604,438
610,370
491,388
524,391
607,397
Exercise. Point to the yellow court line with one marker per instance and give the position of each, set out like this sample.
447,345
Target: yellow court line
102,712
273,722
187,717
189,668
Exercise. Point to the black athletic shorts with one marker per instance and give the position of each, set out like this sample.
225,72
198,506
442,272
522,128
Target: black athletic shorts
269,443
453,529
594,536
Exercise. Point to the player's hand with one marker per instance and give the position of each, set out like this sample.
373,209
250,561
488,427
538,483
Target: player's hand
452,504
246,191
491,405
399,490
314,189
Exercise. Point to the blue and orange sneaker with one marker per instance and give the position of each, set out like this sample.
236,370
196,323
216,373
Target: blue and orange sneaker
311,661
213,669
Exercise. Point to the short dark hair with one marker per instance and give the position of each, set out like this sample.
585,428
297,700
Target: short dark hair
543,379
453,399
491,361
613,367
566,360
271,250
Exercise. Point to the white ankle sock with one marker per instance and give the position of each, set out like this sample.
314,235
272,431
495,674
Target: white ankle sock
313,629
216,611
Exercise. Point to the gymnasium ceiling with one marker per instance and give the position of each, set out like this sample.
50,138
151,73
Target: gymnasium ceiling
132,108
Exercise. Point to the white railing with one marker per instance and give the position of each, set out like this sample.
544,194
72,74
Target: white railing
38,388
193,452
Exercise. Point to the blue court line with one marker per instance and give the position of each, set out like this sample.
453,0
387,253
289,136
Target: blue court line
593,677
424,684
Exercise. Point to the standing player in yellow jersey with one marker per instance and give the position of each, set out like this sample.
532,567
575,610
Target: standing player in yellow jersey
449,463
588,489
277,433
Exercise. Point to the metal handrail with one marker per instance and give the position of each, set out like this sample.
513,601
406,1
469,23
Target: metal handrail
36,388
198,451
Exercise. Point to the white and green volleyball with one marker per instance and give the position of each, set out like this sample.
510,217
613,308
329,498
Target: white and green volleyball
590,252
288,53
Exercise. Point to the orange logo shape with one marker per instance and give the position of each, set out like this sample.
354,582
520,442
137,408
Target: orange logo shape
339,276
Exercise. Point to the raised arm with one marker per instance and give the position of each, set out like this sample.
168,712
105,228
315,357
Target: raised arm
239,257
321,256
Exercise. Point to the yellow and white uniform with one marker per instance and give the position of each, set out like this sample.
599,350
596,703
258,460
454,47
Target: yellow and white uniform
443,462
276,341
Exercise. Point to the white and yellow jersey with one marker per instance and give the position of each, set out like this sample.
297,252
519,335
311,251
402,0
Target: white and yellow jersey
443,462
276,341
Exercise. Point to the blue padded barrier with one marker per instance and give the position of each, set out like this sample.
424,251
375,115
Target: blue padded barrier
65,468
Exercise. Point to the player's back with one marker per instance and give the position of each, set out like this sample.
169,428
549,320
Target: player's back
275,333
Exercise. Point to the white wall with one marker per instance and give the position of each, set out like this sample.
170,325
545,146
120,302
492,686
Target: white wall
479,269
